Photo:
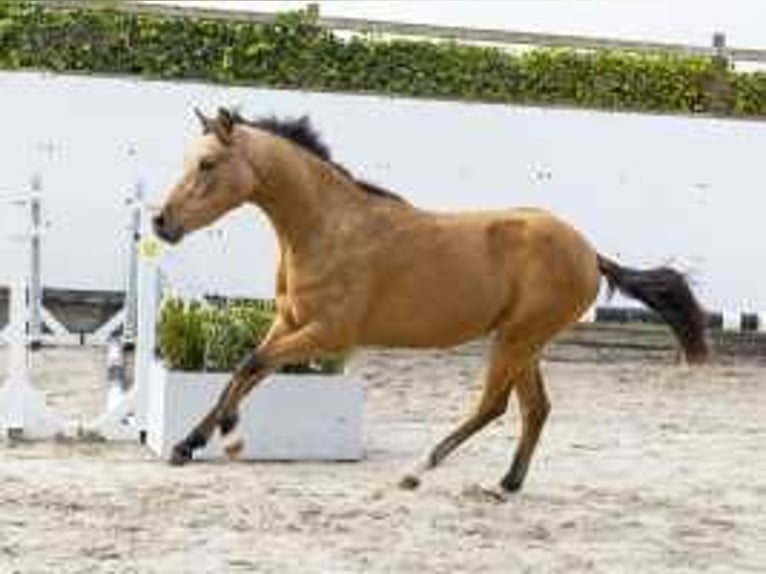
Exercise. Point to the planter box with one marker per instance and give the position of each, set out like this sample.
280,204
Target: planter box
287,417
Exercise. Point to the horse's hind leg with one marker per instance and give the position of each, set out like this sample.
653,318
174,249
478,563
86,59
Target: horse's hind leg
493,402
534,408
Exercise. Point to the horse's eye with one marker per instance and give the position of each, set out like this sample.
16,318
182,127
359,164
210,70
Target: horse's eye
206,164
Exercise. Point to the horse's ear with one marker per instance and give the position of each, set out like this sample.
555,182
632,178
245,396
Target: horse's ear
225,117
204,121
223,125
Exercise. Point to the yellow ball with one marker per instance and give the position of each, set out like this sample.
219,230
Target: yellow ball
149,248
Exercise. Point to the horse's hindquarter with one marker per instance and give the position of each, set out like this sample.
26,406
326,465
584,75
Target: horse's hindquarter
444,279
560,277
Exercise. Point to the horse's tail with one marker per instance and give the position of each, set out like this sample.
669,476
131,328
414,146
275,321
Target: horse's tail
667,292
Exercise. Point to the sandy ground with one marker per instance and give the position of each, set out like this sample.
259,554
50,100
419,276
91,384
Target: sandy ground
644,467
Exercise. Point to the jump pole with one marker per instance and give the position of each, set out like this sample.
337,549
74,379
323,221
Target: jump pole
126,416
35,281
127,316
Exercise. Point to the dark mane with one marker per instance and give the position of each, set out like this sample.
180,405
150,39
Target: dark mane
297,130
301,132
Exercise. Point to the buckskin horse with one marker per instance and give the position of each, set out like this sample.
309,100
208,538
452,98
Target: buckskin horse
360,266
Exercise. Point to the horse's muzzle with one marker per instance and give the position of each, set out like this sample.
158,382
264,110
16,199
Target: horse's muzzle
166,229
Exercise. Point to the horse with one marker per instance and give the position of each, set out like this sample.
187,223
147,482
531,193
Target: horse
359,266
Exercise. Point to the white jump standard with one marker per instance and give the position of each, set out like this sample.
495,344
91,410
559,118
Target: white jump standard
297,417
23,410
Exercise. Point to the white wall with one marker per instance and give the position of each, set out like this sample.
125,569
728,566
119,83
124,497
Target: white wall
646,189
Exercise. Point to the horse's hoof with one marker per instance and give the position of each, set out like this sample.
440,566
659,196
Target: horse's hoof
511,485
180,455
484,494
409,482
234,449
233,443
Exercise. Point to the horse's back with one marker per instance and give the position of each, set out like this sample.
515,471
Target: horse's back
446,278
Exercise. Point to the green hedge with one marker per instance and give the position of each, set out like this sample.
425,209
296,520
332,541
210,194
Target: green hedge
196,336
295,53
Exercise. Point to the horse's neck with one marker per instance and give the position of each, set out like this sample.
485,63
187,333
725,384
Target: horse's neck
308,200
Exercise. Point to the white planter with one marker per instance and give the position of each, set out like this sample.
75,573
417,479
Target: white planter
287,417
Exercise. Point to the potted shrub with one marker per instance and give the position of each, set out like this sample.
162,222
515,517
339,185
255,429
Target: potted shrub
311,411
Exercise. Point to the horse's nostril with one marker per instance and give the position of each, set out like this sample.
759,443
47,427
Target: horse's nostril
167,228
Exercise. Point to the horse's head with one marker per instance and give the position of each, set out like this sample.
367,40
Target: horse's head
217,178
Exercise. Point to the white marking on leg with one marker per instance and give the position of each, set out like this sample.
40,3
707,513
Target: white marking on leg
233,442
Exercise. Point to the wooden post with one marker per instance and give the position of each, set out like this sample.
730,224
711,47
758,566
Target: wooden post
718,89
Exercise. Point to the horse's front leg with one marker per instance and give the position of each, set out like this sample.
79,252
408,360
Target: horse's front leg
282,345
251,368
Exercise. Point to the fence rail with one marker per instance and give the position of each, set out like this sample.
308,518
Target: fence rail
485,35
